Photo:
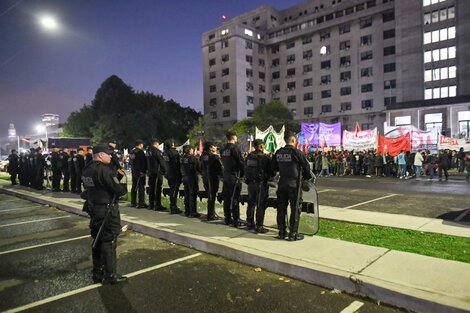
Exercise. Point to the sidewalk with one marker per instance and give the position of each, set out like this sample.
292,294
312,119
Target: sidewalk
407,280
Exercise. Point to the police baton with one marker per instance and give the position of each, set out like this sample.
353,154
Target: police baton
100,231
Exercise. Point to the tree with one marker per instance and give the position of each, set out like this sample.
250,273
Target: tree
78,123
210,133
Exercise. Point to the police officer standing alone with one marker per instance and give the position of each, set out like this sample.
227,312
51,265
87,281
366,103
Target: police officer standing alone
292,166
211,168
190,181
257,173
102,193
13,166
173,172
233,170
156,170
139,167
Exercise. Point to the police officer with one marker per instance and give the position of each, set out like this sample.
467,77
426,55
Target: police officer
32,167
156,170
89,155
211,168
56,164
115,156
257,173
23,175
102,193
233,170
173,172
39,165
65,170
190,180
72,173
79,163
292,166
139,168
13,166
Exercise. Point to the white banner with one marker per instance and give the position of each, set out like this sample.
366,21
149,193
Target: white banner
453,143
272,140
360,140
420,139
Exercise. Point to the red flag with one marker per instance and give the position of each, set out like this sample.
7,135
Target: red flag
357,131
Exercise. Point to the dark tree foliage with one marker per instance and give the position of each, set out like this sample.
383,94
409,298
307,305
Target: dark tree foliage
118,112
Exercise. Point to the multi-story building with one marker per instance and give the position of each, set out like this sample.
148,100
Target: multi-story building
371,62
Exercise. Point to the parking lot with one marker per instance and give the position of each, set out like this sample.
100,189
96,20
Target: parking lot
46,262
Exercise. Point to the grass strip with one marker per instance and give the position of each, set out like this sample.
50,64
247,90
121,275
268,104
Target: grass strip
424,243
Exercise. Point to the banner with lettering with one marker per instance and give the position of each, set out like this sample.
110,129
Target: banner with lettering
272,140
453,143
420,139
360,139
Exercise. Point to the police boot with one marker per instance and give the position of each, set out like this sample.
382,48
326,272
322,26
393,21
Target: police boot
210,211
97,272
108,250
294,236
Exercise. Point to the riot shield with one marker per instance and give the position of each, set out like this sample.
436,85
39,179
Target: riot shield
310,217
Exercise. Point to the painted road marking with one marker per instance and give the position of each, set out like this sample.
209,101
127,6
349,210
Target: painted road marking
28,207
35,221
373,200
353,307
44,244
94,286
462,215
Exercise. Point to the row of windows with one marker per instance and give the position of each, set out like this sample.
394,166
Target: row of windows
439,54
440,73
429,2
367,22
439,15
440,92
439,35
344,106
226,100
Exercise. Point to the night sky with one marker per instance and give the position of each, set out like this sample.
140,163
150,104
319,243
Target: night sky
153,45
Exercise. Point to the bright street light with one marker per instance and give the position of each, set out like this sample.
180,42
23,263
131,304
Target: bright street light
49,23
42,129
323,50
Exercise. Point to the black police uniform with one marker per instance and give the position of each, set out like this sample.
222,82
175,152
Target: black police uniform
211,168
65,171
139,167
79,163
56,164
13,167
39,165
23,174
232,161
290,163
88,158
190,180
156,170
173,175
257,173
102,191
32,168
72,173
115,164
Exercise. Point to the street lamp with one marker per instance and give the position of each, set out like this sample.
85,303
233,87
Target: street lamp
43,129
49,23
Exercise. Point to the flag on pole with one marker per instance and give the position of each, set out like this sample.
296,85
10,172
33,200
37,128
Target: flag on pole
357,131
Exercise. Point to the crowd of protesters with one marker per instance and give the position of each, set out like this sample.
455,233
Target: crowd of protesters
403,166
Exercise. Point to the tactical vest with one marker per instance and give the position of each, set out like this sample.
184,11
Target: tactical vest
288,164
253,170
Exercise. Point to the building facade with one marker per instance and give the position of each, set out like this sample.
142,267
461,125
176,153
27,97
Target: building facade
370,62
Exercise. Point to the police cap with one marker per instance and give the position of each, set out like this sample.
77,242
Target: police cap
101,148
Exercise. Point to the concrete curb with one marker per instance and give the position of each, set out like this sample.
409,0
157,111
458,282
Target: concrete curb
352,283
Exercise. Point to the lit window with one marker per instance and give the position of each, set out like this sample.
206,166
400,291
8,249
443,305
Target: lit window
402,120
248,32
444,92
443,53
452,91
451,32
435,36
426,2
435,74
451,52
443,15
452,72
451,13
224,32
428,76
435,93
427,37
444,74
434,1
427,94
443,34
427,57
435,17
427,18
435,55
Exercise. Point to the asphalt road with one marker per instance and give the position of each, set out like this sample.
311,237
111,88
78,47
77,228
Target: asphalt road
45,256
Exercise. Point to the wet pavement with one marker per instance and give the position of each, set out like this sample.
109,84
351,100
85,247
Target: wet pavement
45,252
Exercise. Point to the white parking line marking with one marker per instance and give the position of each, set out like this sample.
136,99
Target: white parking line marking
353,307
325,190
35,221
365,202
28,207
94,286
16,199
44,244
462,215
